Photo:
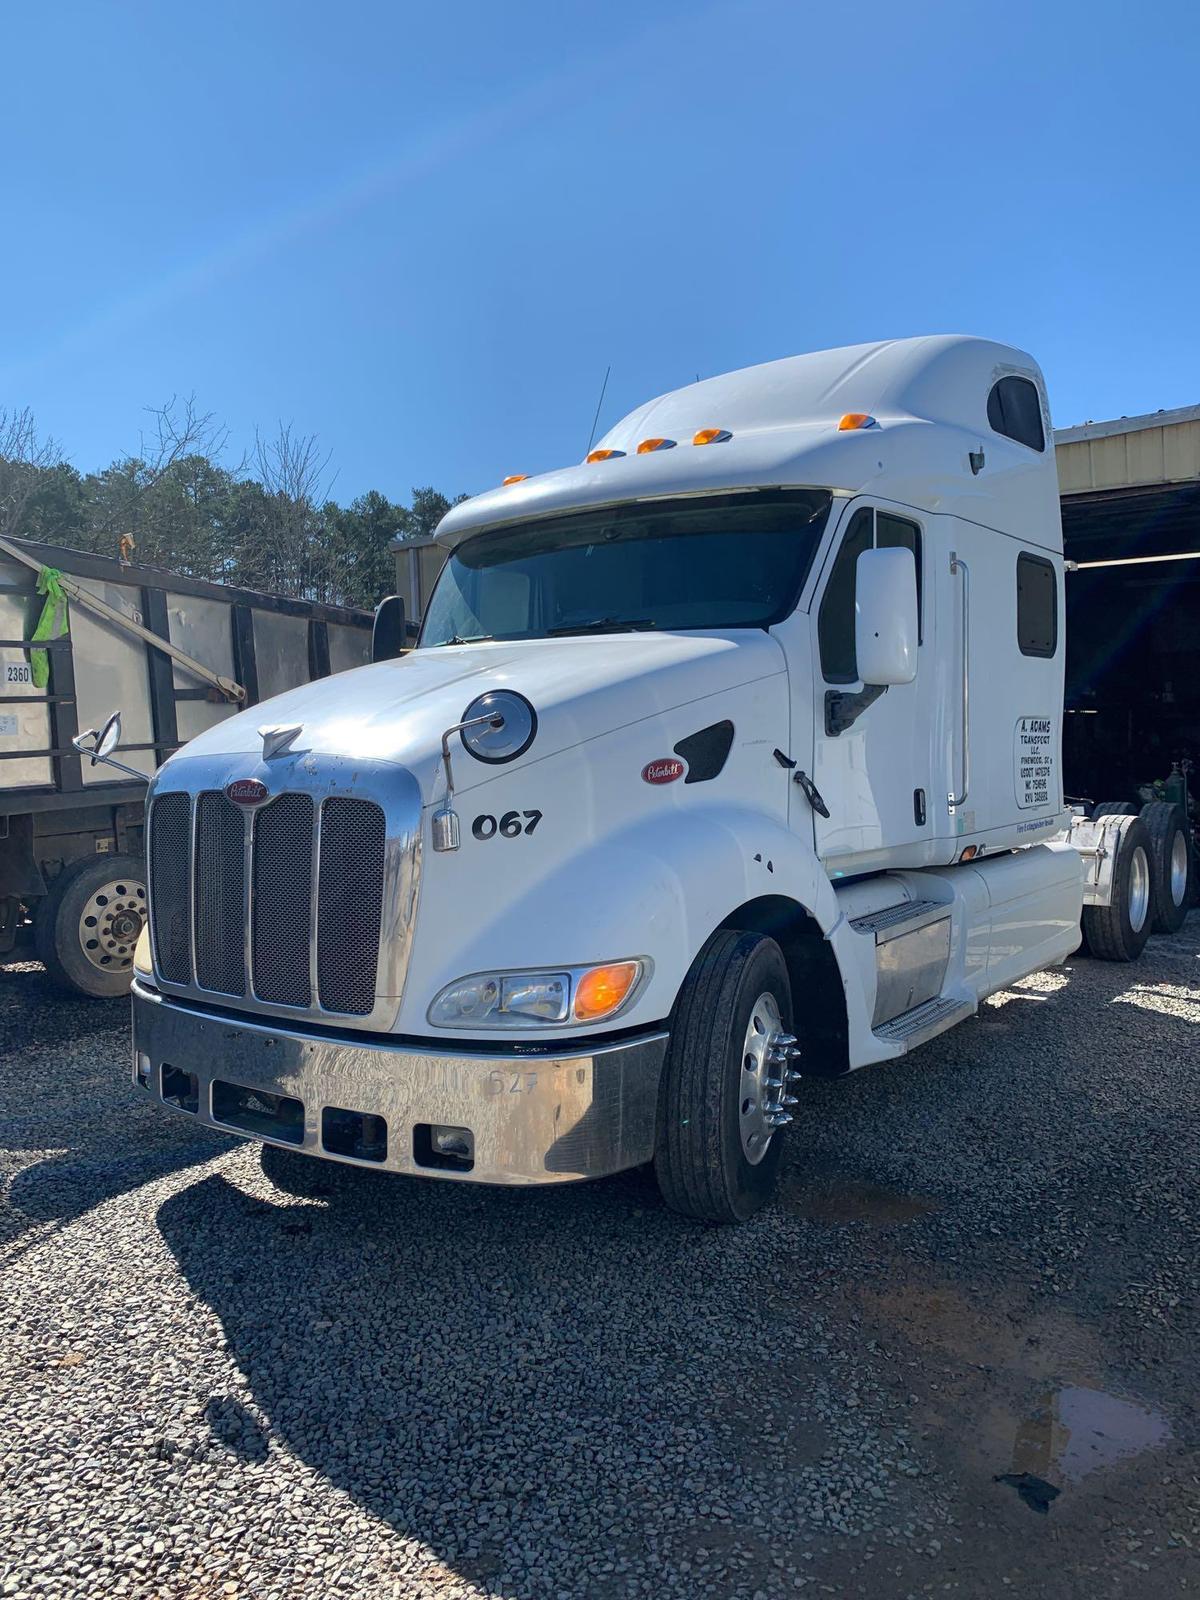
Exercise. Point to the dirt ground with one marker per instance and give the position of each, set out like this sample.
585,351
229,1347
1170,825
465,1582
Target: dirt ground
982,1265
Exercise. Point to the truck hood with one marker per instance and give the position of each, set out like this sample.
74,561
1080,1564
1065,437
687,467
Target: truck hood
581,689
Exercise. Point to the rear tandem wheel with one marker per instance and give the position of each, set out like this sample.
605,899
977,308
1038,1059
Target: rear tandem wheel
1118,931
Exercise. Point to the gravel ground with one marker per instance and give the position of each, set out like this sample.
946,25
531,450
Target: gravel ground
983,1262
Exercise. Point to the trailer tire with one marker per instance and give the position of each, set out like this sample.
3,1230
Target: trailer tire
1171,863
734,1003
85,890
1118,932
1113,808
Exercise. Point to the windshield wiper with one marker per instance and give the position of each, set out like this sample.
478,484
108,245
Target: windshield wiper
602,625
476,638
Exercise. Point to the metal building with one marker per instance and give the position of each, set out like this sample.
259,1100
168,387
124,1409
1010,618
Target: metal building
1131,525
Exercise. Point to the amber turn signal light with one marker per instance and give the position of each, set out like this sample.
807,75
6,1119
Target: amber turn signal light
602,989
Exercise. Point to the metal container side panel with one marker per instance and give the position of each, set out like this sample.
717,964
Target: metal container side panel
348,647
111,673
204,628
280,652
22,727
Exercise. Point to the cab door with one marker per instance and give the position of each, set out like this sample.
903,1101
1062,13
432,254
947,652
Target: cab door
872,746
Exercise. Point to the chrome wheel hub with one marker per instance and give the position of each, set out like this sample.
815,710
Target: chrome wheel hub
111,923
1179,868
1139,889
768,1074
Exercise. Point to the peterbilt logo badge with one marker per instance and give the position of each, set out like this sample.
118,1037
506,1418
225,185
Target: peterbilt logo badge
246,792
665,771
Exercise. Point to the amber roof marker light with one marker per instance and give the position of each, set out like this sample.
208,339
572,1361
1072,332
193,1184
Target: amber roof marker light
853,420
712,436
516,477
603,455
649,446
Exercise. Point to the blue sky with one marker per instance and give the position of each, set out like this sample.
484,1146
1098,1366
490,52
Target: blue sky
423,232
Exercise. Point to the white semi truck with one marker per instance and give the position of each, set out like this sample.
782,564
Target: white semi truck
729,756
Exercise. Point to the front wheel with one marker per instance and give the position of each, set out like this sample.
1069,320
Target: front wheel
729,1068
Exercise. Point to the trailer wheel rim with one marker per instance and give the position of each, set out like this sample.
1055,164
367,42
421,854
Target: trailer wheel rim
1139,889
111,923
762,1080
1179,866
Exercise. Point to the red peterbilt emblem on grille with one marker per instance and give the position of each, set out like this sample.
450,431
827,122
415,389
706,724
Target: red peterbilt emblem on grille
246,791
665,771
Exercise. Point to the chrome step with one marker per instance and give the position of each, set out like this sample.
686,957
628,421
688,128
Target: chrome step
924,1021
893,916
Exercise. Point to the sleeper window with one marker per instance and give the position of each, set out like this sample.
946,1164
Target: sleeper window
1014,409
1037,606
835,620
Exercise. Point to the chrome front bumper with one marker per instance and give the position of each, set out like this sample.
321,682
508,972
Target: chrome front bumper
583,1112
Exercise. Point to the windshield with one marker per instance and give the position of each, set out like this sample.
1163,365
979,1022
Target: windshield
728,561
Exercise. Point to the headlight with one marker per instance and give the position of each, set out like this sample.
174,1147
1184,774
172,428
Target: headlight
142,963
514,735
515,999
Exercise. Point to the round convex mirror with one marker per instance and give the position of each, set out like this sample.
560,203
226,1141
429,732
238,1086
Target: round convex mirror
517,730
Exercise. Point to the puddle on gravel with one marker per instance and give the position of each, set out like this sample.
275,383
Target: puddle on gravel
1076,1431
857,1202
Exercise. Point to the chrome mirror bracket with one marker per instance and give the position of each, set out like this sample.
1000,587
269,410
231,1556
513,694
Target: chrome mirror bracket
447,834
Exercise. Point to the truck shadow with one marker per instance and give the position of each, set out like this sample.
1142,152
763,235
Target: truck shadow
456,1361
77,1131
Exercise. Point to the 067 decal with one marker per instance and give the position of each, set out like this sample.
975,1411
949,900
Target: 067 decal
510,826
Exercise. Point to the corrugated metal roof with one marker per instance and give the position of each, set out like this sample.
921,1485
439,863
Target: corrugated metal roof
1104,430
1129,452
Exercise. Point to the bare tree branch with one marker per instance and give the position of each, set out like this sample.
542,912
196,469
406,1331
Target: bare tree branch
24,456
291,464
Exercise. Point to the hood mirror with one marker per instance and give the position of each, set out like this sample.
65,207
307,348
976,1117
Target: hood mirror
109,738
99,747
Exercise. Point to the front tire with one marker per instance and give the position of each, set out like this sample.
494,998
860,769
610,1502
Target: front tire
725,1080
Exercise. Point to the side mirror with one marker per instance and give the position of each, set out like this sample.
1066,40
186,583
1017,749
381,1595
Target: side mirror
389,637
885,616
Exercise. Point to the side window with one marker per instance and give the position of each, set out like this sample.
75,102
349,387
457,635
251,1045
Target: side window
894,533
1037,606
1014,409
835,620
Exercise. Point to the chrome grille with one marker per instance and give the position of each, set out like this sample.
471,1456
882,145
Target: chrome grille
349,904
170,902
282,901
219,894
283,904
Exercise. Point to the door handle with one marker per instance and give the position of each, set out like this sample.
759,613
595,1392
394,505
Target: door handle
811,793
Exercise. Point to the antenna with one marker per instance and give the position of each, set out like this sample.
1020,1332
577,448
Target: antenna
599,403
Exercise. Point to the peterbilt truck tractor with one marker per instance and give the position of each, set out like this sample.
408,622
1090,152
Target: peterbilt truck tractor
726,757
